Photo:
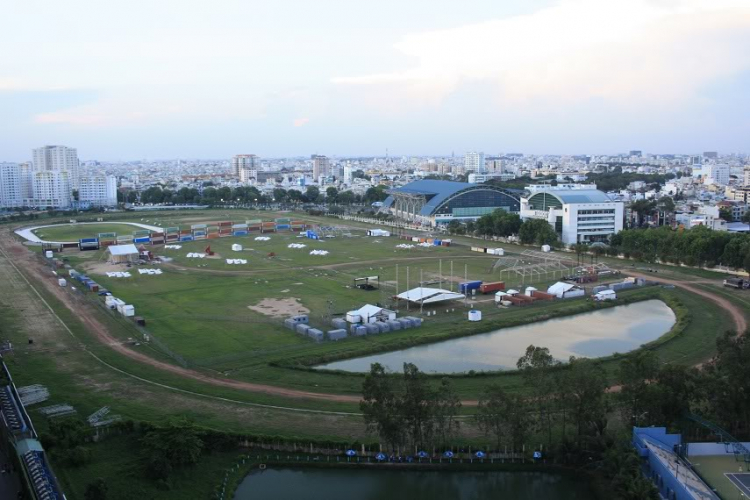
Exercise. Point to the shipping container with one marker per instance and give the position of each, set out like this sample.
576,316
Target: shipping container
469,286
539,295
495,286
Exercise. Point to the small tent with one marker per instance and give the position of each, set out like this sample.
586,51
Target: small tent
121,254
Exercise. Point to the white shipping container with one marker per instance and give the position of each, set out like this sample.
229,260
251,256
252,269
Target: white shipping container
62,282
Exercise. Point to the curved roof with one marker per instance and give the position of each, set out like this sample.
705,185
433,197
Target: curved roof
577,195
440,191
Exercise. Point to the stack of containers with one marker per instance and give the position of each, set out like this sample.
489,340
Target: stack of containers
338,334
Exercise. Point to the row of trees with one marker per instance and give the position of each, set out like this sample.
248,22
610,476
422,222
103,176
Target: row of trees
698,246
249,195
568,406
504,224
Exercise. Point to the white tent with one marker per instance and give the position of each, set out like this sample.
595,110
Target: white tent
122,253
369,314
565,290
422,295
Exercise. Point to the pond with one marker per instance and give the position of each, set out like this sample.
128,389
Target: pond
593,334
342,484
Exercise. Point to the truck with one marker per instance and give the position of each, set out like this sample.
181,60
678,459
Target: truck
495,286
739,283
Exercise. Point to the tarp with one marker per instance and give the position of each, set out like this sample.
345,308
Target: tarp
429,295
123,249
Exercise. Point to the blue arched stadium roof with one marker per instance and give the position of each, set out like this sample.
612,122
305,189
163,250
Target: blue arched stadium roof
439,192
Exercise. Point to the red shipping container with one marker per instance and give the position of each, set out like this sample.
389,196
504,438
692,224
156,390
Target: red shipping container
497,286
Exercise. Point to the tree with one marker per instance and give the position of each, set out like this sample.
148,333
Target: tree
179,444
584,382
416,407
637,395
725,213
536,367
380,406
312,194
96,490
75,194
331,194
537,232
279,194
503,416
446,408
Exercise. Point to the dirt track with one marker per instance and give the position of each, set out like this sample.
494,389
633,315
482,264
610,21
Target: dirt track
32,266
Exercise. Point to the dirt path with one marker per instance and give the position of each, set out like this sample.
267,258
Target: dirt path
29,262
740,322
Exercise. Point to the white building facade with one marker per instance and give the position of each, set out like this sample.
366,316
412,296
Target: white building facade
474,162
50,189
717,174
11,195
244,162
58,159
98,190
578,215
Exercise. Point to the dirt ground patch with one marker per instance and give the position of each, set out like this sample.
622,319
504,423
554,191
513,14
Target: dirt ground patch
102,267
280,308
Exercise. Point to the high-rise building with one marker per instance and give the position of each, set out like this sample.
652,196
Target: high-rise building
711,155
98,190
636,152
347,174
244,162
474,162
321,166
51,188
746,180
58,159
719,173
10,185
248,174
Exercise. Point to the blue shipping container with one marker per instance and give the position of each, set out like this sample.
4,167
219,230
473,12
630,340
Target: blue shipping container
142,240
240,233
186,238
283,226
469,286
89,240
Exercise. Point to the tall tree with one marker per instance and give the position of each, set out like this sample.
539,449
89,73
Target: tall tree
416,407
446,408
380,406
536,366
637,394
503,416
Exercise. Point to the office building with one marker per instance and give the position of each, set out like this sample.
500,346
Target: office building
58,159
717,173
578,214
98,190
474,162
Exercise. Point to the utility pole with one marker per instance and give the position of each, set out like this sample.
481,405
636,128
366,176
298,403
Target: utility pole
407,287
421,292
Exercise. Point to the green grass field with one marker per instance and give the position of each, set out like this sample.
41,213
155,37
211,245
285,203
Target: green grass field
200,307
74,232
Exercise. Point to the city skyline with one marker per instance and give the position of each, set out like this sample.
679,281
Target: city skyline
179,80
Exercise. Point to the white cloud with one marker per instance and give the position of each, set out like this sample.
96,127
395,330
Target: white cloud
300,122
626,52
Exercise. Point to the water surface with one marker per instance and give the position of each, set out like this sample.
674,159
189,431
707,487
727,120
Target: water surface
593,334
348,484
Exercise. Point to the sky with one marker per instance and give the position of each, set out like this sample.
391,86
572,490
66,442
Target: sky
144,79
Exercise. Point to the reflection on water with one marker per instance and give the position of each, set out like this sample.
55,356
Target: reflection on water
594,334
346,484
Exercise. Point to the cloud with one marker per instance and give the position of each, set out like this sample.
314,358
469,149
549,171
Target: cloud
300,122
626,53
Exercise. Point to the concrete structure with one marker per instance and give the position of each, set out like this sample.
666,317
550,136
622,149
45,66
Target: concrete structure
432,203
577,215
717,174
481,178
98,190
58,159
474,162
662,464
244,162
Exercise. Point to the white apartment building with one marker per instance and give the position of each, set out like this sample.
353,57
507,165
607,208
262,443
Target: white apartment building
10,185
248,175
98,190
480,178
474,162
244,162
578,215
717,174
347,174
59,159
51,188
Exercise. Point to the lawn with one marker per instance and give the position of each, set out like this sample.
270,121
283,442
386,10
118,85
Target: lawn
74,232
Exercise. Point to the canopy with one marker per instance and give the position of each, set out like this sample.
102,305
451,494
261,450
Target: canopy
123,249
429,295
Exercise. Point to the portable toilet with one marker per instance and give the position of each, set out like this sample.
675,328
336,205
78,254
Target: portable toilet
475,315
